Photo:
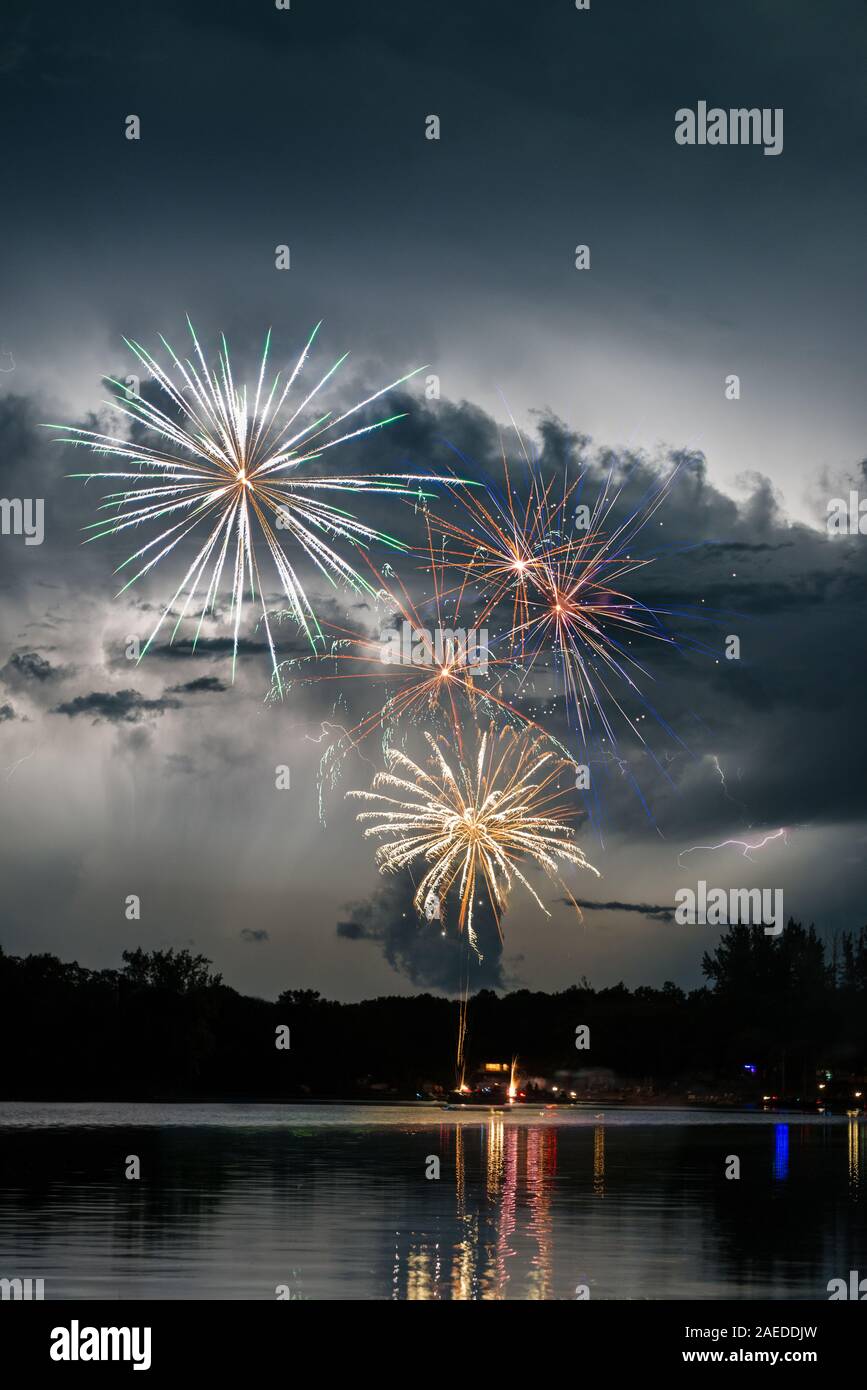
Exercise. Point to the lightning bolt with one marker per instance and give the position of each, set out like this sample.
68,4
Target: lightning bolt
748,849
721,774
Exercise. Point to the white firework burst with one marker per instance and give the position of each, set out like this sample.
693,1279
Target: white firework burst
235,470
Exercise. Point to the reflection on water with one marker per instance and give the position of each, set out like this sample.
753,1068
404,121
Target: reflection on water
781,1153
336,1203
599,1161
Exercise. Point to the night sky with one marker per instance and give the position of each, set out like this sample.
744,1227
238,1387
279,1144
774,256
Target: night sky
306,128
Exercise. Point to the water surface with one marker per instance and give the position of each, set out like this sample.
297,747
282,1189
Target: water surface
333,1202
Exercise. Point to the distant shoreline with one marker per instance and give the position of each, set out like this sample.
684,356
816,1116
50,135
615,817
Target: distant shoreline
391,1102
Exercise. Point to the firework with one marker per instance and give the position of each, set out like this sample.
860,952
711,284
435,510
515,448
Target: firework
560,564
476,826
234,468
424,663
502,547
431,662
418,671
582,612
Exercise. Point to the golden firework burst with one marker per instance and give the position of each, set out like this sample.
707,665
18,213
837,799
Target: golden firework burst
474,822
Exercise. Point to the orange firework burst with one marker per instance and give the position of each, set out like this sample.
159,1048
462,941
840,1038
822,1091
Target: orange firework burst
432,662
422,665
560,564
503,547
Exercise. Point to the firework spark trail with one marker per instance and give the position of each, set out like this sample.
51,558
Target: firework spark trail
573,616
235,468
474,825
579,607
568,606
748,849
446,672
502,547
431,675
13,767
325,732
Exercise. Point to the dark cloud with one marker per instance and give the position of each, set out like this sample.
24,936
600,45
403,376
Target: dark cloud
251,934
26,667
115,707
418,949
717,567
202,685
6,713
654,914
482,286
212,647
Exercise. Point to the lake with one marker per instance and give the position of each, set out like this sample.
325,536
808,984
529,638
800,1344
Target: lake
333,1202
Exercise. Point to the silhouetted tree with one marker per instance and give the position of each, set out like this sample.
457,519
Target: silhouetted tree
166,1025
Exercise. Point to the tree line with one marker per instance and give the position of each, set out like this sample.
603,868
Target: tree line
165,1025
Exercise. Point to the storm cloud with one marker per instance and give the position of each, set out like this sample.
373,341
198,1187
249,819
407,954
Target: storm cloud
115,707
652,913
24,667
422,951
201,685
617,372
